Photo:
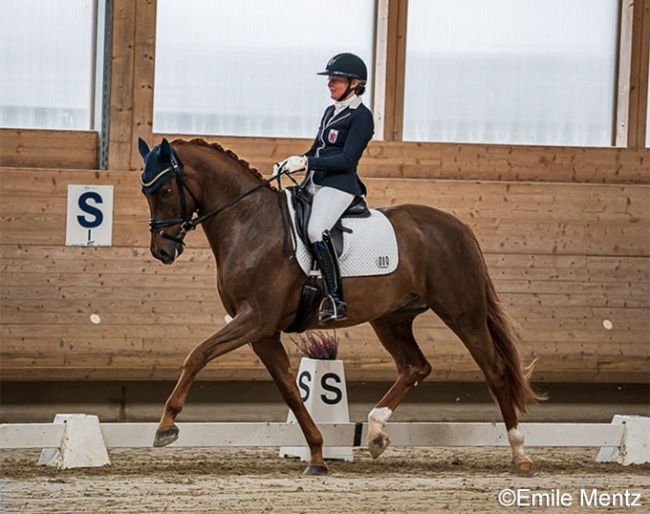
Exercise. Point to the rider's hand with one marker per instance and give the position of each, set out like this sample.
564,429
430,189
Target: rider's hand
277,168
291,165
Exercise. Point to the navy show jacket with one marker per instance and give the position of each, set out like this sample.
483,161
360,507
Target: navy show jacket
341,140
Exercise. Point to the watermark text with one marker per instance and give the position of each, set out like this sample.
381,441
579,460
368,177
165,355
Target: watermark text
585,497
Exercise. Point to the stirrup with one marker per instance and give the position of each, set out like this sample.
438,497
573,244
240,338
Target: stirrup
332,309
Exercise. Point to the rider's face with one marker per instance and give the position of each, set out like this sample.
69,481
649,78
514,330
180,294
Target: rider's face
338,85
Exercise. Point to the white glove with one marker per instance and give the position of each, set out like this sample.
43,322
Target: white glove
277,168
292,164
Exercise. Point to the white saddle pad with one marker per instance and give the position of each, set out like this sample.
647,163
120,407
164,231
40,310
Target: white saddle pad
370,249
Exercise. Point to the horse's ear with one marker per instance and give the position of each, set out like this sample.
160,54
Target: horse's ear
143,147
165,148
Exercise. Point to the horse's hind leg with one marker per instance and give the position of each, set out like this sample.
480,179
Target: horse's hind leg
275,358
501,376
396,335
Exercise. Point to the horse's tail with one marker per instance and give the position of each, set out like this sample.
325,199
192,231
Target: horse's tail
506,339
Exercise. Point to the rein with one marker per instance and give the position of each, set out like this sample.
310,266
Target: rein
187,222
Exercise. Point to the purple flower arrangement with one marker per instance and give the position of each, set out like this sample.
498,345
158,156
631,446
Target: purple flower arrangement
321,345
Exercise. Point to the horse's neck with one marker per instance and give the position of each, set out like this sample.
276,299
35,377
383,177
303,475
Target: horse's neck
227,187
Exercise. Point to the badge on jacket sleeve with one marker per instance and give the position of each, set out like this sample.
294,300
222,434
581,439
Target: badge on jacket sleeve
333,135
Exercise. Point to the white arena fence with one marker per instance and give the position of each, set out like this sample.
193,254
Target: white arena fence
80,440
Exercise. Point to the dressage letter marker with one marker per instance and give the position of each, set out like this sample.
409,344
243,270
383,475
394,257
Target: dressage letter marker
90,216
322,388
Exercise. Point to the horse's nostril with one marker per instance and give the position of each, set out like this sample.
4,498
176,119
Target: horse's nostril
163,255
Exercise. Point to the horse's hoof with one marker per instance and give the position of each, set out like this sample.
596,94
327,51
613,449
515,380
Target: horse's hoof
378,445
315,470
165,436
524,467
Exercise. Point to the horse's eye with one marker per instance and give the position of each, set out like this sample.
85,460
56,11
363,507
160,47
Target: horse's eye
166,192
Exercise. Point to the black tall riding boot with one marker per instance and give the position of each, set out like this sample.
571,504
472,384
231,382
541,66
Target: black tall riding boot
332,308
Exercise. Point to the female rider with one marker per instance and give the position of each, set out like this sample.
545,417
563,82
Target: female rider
345,130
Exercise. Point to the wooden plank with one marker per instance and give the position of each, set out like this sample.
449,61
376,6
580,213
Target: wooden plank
72,149
589,345
495,434
466,161
638,96
508,217
618,372
383,159
621,371
129,435
380,73
31,435
14,307
120,136
203,283
454,363
562,164
396,62
200,261
624,295
143,77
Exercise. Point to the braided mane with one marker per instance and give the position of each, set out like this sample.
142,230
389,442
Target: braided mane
220,149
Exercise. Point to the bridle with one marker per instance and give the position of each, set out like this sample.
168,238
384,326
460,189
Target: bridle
185,221
188,221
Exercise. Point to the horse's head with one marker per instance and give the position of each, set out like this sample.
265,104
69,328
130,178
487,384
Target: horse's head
171,201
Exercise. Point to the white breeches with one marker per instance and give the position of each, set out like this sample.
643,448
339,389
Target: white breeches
327,207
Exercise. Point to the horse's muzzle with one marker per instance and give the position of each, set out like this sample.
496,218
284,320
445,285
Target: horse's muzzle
165,249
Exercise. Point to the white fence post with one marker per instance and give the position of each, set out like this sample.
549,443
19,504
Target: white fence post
82,445
635,448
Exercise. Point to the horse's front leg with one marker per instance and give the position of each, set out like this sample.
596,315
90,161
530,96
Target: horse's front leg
274,356
243,329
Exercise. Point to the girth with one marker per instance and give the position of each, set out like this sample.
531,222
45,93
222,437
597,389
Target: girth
302,203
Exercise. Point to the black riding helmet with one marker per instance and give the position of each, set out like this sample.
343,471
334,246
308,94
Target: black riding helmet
350,66
346,65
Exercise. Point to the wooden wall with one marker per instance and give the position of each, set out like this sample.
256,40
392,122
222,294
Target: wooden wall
566,232
565,257
21,148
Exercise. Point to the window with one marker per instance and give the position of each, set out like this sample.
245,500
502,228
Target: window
511,71
47,63
249,68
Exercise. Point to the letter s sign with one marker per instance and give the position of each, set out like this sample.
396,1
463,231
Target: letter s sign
331,388
97,215
304,383
90,216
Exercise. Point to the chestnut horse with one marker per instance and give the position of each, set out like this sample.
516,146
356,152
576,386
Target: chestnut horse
440,268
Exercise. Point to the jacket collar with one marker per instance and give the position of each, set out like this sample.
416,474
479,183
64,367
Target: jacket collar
342,112
353,102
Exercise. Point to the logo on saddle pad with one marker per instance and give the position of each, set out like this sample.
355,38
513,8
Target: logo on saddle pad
383,261
369,248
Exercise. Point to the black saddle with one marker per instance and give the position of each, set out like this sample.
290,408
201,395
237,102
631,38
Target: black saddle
302,201
312,294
